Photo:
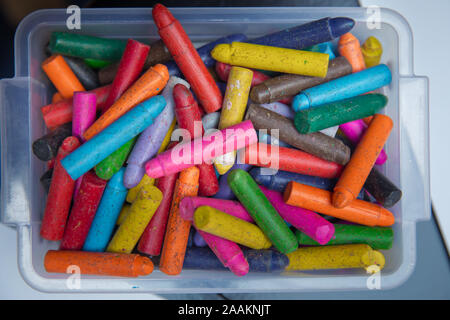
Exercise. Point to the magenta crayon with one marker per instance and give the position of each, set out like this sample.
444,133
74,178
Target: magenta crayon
307,221
354,130
202,149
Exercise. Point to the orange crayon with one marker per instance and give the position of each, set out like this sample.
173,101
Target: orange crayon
367,120
148,85
350,48
57,97
363,159
98,263
177,232
62,77
319,200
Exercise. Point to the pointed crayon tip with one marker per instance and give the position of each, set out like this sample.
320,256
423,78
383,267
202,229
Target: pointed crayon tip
341,25
162,16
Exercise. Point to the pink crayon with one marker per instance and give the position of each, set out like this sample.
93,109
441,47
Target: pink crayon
304,220
228,252
84,113
202,150
354,130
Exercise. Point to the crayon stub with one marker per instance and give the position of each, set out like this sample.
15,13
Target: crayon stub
372,51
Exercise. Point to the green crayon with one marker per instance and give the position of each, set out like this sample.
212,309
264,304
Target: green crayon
97,64
264,214
111,164
376,237
336,113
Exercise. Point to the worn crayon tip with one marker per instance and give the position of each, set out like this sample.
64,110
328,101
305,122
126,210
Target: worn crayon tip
373,261
190,176
162,16
341,198
386,218
222,52
238,265
341,25
300,102
133,175
372,45
324,233
346,39
146,266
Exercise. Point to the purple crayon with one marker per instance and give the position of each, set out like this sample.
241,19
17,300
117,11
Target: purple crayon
224,189
198,240
150,140
307,221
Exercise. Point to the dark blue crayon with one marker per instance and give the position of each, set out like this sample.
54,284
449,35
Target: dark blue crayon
258,260
307,34
191,238
198,240
205,53
222,87
224,190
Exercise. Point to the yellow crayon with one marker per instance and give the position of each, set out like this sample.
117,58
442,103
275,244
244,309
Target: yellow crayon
336,257
123,214
132,193
233,109
139,215
283,60
372,51
226,226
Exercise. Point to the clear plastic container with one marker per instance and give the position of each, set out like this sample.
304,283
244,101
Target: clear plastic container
23,198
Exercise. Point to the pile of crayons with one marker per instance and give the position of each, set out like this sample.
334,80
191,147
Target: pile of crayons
275,170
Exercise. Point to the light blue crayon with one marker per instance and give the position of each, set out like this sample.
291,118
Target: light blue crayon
89,154
342,88
324,47
268,139
107,213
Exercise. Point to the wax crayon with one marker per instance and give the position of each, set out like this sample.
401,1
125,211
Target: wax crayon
268,139
376,237
177,232
158,54
224,189
371,51
286,85
112,163
336,257
188,117
84,112
307,34
223,71
335,113
62,77
187,58
168,162
349,47
107,213
317,143
354,131
292,160
190,242
148,85
205,53
84,46
59,196
363,158
57,97
305,220
152,138
133,192
280,108
233,109
84,74
59,113
261,210
96,64
123,214
210,120
83,211
367,120
113,137
256,56
324,47
318,200
229,227
344,87
98,263
130,67
153,236
141,212
199,241
382,189
46,147
46,179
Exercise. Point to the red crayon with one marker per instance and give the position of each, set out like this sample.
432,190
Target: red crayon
187,59
292,160
59,113
83,212
188,116
130,67
59,196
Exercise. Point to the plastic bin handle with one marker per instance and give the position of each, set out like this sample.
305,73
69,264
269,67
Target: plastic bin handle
15,135
414,144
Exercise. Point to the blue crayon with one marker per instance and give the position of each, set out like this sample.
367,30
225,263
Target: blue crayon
205,53
307,34
326,47
107,213
222,87
198,240
224,190
258,260
344,87
93,151
268,139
